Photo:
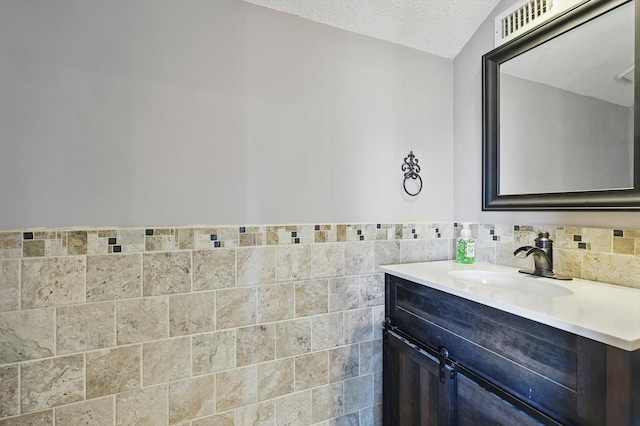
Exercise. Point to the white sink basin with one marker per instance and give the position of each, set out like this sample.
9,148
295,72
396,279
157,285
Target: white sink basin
525,284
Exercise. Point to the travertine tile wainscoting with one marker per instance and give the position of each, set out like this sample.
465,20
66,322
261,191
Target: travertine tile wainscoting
201,325
270,325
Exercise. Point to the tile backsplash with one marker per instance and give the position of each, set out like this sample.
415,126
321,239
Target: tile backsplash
228,325
220,325
596,254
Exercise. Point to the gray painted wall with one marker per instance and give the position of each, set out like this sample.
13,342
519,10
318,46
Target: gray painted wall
184,112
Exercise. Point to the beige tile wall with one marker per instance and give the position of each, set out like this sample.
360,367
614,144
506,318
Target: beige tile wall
228,325
606,255
199,326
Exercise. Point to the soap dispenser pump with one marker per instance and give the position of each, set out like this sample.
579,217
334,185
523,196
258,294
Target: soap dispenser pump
465,246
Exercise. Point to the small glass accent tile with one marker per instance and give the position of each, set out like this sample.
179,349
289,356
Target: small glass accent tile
117,249
28,235
618,233
577,238
582,246
148,232
112,241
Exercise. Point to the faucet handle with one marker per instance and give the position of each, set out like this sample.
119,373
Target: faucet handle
543,240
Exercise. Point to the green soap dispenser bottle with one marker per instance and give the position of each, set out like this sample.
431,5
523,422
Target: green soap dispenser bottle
465,246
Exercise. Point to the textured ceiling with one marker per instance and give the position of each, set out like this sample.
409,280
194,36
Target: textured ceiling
440,27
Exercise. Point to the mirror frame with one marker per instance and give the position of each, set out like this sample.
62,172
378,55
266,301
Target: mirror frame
616,199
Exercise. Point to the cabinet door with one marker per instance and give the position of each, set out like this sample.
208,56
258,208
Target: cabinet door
478,406
413,391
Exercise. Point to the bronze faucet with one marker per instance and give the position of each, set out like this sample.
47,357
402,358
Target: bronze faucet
542,257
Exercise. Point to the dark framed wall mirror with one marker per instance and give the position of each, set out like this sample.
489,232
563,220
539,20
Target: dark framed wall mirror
561,113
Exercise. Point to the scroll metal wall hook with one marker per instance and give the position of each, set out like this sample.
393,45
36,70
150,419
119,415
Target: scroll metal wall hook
411,170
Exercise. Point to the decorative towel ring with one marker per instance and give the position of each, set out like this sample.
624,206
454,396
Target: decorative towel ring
411,170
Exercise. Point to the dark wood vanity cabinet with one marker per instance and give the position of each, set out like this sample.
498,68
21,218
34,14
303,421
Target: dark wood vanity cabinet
420,394
499,368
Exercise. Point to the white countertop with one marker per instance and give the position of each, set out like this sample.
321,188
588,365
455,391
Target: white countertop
603,312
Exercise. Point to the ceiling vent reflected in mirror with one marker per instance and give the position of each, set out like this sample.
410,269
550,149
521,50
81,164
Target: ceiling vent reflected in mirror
526,15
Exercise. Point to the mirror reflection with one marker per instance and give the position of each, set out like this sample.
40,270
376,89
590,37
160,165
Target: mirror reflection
566,110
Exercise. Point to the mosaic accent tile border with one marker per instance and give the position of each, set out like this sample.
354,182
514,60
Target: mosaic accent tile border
63,242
